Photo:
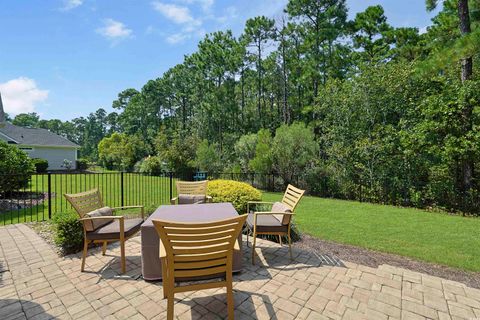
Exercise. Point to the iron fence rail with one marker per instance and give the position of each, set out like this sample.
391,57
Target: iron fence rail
41,196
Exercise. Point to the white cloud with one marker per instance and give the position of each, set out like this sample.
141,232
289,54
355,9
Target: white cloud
114,30
21,95
175,13
206,5
182,16
71,4
177,38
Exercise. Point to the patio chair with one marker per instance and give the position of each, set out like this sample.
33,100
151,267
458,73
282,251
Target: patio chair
191,250
189,192
277,221
100,225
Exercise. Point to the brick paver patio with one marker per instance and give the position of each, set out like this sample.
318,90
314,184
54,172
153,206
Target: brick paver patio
36,284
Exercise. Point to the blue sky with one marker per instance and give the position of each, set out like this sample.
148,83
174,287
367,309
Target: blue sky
67,58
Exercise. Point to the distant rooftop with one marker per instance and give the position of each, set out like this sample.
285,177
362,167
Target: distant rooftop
30,136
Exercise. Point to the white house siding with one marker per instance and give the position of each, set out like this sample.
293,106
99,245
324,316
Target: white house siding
54,156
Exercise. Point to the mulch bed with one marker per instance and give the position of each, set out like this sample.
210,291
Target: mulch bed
374,259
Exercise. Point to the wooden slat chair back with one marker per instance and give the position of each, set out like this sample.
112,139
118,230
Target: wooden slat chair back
192,250
85,202
192,187
292,196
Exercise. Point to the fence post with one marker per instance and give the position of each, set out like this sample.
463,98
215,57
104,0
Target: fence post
121,189
171,185
49,188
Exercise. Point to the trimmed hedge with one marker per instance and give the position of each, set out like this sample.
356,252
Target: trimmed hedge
41,165
238,193
68,232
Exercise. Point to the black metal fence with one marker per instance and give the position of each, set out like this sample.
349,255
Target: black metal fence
41,195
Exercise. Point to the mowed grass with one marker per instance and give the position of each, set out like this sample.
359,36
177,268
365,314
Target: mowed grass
434,237
149,191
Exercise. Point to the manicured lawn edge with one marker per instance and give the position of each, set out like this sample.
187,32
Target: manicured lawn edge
433,237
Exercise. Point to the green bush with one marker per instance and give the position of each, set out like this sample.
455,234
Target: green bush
41,165
15,168
152,166
68,232
238,193
82,164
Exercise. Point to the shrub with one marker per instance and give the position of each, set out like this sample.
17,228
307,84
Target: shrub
82,164
41,165
293,151
67,164
68,232
238,193
152,166
15,168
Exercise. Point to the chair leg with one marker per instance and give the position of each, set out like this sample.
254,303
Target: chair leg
280,239
230,301
290,246
84,254
164,278
253,247
170,298
122,253
104,248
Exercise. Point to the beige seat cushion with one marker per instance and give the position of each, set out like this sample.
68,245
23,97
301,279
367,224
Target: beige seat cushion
112,230
191,198
95,224
281,207
266,223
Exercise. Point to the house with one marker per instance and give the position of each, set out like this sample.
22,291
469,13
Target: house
39,143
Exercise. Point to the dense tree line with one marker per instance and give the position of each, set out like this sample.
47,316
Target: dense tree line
353,109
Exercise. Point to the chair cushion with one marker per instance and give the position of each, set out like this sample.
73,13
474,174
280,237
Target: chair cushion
266,223
281,207
191,198
95,224
112,230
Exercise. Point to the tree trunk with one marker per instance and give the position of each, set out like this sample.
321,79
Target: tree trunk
465,28
259,74
466,74
242,84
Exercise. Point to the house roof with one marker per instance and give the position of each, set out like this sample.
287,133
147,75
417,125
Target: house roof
34,136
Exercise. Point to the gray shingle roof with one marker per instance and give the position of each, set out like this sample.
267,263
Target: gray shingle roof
34,136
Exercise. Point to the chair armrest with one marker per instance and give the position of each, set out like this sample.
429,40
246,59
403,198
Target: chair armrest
126,207
102,217
272,212
142,209
173,200
236,246
162,251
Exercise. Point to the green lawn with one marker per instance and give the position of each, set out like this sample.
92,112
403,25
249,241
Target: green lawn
434,237
138,189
